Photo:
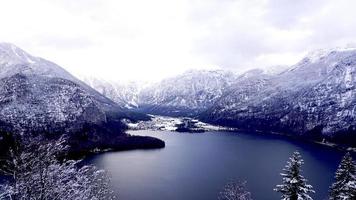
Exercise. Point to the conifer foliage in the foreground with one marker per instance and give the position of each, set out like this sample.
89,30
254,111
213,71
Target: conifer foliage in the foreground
235,190
36,172
294,186
344,187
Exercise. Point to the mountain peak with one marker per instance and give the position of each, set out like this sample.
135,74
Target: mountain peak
11,54
14,60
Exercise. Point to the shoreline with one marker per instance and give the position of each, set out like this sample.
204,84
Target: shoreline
127,143
163,123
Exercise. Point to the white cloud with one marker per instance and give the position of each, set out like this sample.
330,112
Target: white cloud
140,39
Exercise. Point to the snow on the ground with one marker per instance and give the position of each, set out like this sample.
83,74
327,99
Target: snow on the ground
164,123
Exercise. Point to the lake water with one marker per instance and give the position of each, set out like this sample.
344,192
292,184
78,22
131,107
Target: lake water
196,166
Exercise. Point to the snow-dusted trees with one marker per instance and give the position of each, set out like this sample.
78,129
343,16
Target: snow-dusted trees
294,185
37,173
235,190
344,187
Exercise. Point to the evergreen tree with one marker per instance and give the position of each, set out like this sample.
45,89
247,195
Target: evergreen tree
294,185
344,187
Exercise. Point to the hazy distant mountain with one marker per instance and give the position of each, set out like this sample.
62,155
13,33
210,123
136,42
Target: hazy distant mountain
186,94
315,98
38,96
124,94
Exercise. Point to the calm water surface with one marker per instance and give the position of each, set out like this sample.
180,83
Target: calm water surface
196,166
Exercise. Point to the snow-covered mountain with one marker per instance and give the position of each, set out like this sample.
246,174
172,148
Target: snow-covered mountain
125,94
186,94
315,98
38,96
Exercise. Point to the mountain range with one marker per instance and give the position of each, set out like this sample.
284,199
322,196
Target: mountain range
184,95
313,99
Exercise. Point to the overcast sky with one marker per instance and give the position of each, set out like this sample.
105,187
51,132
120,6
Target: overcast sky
152,39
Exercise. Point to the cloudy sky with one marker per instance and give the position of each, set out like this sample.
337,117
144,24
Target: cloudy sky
152,39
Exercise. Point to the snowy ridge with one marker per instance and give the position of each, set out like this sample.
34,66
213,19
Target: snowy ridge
315,56
14,60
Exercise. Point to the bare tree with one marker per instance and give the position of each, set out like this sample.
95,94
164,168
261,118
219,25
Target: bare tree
37,173
235,190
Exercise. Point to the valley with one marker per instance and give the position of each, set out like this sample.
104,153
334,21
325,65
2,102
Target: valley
314,99
178,100
309,106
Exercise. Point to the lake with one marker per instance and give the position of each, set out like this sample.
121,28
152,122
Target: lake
197,166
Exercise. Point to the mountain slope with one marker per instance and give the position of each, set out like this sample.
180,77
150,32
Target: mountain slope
14,60
315,98
39,97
